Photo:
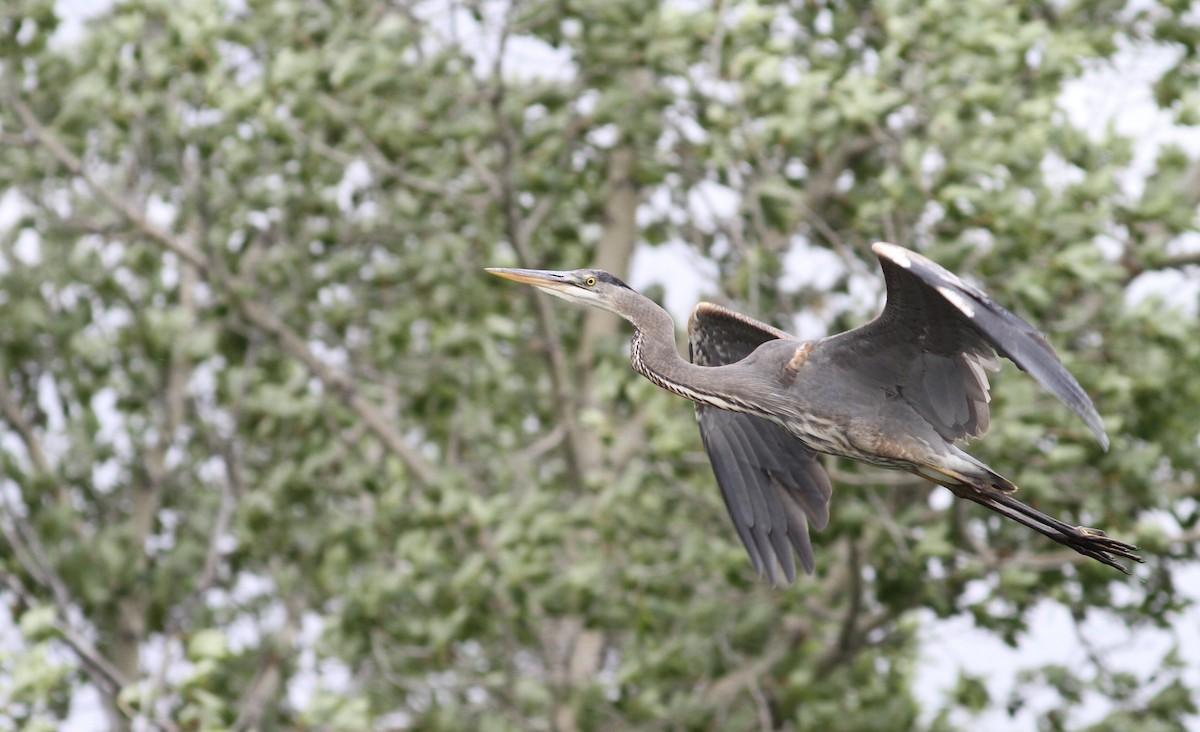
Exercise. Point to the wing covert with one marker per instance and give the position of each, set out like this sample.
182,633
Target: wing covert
935,337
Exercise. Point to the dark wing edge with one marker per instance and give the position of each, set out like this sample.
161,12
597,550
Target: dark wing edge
772,485
1011,336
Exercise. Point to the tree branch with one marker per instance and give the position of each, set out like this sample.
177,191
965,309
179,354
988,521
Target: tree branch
107,678
263,690
31,555
339,384
580,453
106,194
845,641
1175,261
12,413
726,687
1157,233
235,291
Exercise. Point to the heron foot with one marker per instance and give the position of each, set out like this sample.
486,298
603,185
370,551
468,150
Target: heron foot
1097,544
1088,541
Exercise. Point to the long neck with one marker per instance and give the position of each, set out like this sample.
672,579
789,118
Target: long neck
655,356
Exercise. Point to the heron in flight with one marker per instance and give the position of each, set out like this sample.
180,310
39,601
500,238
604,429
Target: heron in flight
897,393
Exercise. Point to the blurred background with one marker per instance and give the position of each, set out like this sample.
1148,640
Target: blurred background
277,454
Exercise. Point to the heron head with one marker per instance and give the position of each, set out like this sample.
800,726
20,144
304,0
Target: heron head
588,286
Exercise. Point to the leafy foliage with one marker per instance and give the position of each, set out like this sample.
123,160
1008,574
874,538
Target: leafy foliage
278,455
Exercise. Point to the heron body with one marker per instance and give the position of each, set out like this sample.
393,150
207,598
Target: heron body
897,392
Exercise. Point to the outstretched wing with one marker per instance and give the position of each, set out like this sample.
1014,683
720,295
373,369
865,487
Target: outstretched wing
772,484
933,340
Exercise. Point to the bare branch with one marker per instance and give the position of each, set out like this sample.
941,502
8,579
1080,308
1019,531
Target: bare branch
237,291
27,547
744,677
1176,261
892,527
616,242
533,452
373,154
115,202
958,520
838,655
262,318
263,690
846,637
33,444
1157,233
713,49
29,552
581,452
99,669
821,188
766,721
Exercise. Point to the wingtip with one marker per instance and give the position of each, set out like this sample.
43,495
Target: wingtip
809,565
787,580
1092,419
779,572
893,253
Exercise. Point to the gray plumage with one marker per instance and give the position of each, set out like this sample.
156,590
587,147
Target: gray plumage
757,458
897,392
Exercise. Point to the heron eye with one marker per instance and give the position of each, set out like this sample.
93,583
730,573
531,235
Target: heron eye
590,281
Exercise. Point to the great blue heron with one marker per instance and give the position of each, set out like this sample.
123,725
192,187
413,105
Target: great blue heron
896,393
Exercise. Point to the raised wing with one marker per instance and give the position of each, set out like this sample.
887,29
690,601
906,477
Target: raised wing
934,338
772,484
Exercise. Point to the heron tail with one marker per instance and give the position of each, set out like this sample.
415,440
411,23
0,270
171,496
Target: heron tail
968,472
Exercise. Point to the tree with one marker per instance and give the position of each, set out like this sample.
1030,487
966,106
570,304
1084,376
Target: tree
277,454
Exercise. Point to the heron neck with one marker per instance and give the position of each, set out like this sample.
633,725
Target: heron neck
653,354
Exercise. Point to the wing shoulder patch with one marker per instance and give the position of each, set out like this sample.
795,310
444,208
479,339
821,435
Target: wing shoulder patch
796,362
